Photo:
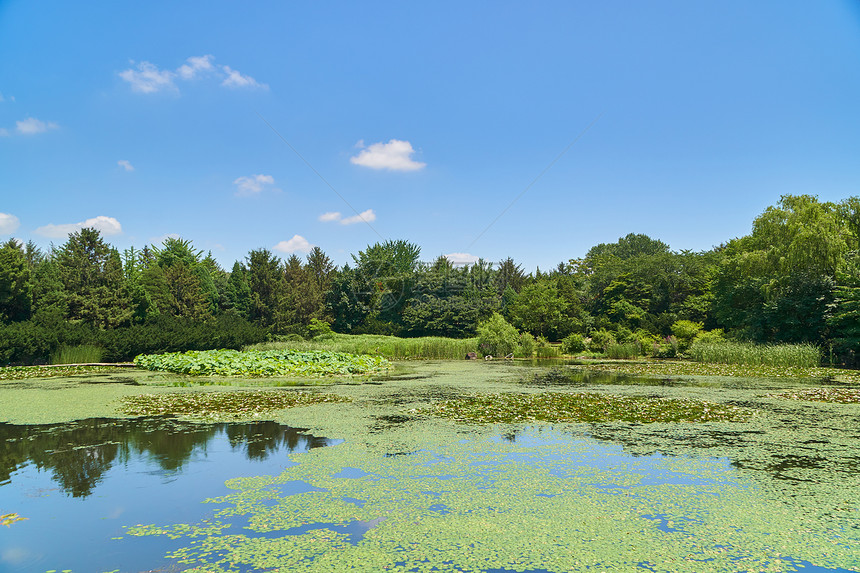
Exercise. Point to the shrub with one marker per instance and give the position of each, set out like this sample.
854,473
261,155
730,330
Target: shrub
685,331
496,337
573,343
526,349
320,329
600,339
715,335
668,348
544,349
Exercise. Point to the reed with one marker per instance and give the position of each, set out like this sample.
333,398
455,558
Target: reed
80,354
424,348
797,355
623,351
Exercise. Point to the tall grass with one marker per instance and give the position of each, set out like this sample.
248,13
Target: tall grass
81,354
626,350
426,348
799,355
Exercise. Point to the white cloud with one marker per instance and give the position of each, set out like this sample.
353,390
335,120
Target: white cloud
195,64
8,224
364,217
296,244
394,156
253,184
462,258
125,164
236,80
148,78
106,225
32,126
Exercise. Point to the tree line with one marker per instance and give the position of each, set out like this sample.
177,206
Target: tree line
794,278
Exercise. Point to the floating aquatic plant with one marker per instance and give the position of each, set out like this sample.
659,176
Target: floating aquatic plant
837,395
677,368
25,372
584,407
208,405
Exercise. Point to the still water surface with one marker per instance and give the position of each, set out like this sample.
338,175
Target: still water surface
81,484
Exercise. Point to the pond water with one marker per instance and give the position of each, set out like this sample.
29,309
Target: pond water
395,490
79,484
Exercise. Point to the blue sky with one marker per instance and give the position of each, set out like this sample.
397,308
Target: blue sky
338,124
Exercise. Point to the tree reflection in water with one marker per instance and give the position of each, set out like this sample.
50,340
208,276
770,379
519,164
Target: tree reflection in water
78,454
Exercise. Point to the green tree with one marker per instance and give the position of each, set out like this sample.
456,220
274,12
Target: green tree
91,274
265,279
15,286
538,309
238,292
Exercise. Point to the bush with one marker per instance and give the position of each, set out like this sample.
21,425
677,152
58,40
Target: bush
685,331
715,335
600,339
320,329
668,348
526,349
573,343
545,349
496,337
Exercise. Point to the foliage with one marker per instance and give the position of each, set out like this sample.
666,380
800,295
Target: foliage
716,335
539,310
667,348
573,343
544,349
685,331
496,337
526,347
320,329
600,340
584,407
15,286
263,363
33,342
786,355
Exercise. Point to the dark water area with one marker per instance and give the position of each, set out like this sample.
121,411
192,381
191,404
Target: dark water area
78,484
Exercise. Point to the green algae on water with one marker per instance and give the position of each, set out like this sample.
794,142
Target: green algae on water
211,405
832,395
584,407
543,500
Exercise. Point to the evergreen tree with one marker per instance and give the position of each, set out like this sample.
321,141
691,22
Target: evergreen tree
15,286
91,274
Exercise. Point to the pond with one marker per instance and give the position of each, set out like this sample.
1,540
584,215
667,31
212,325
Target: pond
392,488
